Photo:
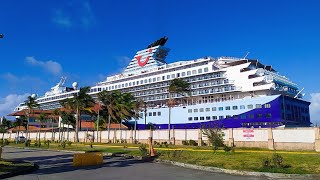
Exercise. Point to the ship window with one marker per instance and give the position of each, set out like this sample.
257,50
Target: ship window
267,106
141,115
259,115
129,83
199,70
183,74
228,116
201,118
206,69
258,106
154,113
154,79
196,118
201,109
159,113
150,113
207,109
137,82
227,107
207,117
214,109
234,107
243,116
149,80
178,74
145,81
214,117
158,78
189,110
163,77
195,110
220,108
251,116
194,71
189,73
190,118
168,76
133,83
126,85
221,117
250,106
268,115
173,75
235,117
242,107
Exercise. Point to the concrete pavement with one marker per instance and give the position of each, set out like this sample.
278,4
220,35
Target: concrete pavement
57,165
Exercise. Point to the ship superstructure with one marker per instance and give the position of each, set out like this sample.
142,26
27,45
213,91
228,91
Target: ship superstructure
236,92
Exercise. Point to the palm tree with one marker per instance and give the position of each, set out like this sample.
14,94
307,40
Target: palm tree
5,125
31,103
21,121
139,105
68,119
107,100
177,86
119,106
42,118
56,113
78,102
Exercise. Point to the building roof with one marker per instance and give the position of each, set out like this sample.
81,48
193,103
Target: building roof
90,125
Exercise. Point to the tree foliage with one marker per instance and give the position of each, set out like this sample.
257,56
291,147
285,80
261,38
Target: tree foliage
80,101
215,136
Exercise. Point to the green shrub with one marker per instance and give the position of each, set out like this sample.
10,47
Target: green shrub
277,160
185,143
62,144
193,143
228,149
165,144
143,150
27,143
47,143
68,143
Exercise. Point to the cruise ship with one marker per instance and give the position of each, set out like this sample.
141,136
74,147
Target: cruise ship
233,92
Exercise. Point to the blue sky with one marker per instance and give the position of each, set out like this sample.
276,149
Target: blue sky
88,40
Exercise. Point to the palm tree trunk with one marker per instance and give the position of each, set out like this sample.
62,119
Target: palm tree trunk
109,119
59,130
2,136
52,137
135,131
68,133
77,125
120,131
39,134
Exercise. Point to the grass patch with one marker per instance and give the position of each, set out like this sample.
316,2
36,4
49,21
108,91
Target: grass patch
7,166
250,159
297,163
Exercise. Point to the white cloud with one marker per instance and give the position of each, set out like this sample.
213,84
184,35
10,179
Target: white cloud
51,66
8,103
61,19
10,77
315,108
75,14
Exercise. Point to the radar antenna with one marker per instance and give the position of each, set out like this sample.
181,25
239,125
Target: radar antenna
246,55
298,93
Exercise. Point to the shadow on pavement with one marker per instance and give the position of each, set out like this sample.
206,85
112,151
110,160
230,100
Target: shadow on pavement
63,163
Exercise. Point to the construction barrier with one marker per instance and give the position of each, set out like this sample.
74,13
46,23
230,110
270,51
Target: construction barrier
87,159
